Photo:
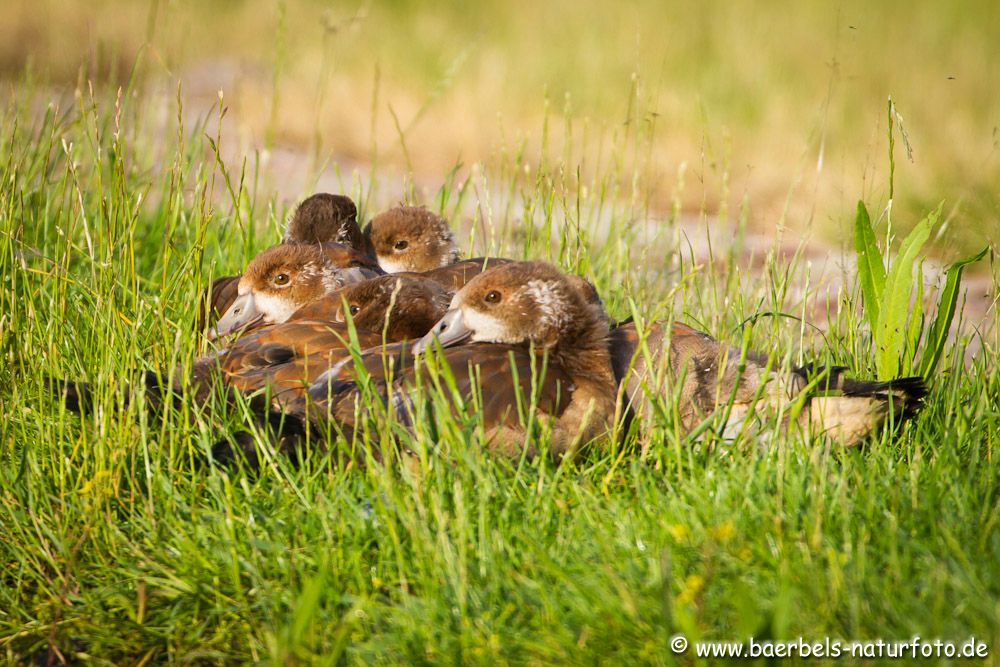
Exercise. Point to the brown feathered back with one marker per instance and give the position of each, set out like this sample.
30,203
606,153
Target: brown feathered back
416,304
289,356
705,375
538,338
321,219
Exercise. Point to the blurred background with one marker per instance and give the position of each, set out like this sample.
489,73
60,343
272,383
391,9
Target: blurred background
779,110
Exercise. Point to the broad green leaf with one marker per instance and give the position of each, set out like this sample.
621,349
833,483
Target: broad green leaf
871,270
916,324
891,336
938,334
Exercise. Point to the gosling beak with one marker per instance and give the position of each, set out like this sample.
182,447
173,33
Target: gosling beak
450,330
241,315
356,274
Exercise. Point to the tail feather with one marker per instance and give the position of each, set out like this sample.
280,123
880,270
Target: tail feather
906,394
909,388
863,405
286,432
78,396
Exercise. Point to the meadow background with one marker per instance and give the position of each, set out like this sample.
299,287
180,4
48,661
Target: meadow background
785,108
696,161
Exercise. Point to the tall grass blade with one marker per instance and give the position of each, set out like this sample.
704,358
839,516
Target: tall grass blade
938,334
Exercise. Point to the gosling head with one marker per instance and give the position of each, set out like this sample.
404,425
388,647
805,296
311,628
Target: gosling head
325,218
521,302
411,238
282,279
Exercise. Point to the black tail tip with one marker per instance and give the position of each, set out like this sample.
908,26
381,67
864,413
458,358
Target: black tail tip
912,388
239,448
286,432
74,395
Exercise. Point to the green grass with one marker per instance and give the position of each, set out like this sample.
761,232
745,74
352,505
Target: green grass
114,548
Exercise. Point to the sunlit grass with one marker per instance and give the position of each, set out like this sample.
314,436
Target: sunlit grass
115,548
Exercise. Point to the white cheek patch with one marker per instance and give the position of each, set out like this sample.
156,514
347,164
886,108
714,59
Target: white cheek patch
392,265
275,308
550,300
486,328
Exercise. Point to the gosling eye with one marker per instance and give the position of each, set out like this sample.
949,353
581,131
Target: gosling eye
492,296
355,309
400,244
281,279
